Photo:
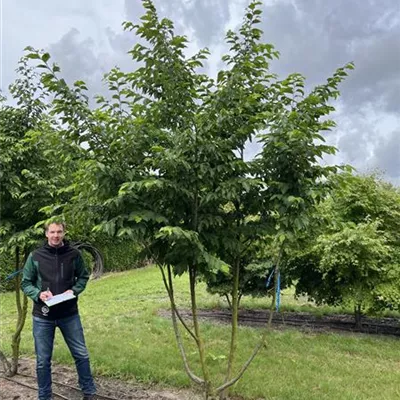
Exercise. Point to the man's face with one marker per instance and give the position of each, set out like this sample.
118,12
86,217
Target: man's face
55,235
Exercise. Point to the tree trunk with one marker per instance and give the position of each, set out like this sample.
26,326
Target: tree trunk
207,385
358,316
174,313
234,325
22,307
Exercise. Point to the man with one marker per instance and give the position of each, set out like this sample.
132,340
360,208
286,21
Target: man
57,268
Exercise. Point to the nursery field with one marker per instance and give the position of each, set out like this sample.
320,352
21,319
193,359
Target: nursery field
130,338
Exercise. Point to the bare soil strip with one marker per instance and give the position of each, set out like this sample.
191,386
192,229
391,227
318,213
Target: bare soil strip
303,321
23,386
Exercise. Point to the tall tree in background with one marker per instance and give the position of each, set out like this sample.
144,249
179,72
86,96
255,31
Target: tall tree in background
353,256
25,187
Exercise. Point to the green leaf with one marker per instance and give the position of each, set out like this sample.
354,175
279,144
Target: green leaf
45,57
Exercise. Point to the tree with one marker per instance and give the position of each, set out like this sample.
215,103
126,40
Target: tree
34,171
353,256
21,189
37,166
163,161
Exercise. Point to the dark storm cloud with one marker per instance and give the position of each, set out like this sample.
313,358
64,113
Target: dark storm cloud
356,139
315,37
387,155
77,58
377,75
205,17
120,42
133,9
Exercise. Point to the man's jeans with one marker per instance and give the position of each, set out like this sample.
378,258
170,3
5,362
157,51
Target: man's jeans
71,329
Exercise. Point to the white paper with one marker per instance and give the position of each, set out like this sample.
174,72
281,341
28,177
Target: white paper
59,298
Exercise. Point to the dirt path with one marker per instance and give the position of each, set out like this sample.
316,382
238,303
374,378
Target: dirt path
23,387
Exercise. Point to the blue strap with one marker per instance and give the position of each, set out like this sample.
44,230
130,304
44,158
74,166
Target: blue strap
14,274
278,288
278,292
269,278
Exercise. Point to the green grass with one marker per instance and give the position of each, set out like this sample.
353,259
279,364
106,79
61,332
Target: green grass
128,339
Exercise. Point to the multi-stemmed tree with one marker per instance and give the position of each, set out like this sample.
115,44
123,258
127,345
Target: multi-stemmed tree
162,161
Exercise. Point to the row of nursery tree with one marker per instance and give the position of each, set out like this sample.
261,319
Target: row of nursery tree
160,162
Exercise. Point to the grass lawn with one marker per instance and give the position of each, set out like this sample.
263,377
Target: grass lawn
128,339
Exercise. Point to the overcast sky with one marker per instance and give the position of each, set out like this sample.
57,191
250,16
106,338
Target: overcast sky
314,38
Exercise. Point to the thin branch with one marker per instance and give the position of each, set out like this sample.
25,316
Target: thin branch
242,371
234,319
228,300
17,281
191,375
169,289
192,281
16,338
263,337
5,363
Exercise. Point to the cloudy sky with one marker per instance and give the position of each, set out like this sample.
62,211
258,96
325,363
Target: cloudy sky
314,38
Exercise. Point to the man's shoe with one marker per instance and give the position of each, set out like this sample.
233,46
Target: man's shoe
89,397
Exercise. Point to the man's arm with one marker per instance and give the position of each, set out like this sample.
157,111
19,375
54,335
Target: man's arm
81,275
29,279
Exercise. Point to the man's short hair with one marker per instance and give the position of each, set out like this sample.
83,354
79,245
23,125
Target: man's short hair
57,221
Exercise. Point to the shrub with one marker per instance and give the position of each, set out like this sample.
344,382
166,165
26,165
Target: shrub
7,267
119,254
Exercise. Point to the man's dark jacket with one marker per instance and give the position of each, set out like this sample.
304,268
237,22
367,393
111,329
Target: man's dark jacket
57,269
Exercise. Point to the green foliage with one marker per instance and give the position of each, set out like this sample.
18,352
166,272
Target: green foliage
253,281
119,254
293,147
27,171
353,255
7,263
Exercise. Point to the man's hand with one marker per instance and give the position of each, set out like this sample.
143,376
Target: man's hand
47,295
69,292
